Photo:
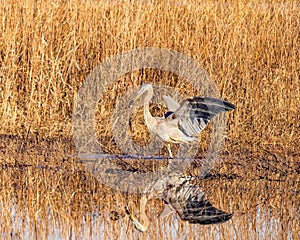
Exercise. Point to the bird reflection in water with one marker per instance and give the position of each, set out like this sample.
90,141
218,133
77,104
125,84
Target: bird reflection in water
179,194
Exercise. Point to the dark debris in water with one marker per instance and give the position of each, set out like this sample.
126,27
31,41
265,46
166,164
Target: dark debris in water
115,216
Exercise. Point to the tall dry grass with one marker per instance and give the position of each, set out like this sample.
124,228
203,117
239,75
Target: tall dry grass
250,49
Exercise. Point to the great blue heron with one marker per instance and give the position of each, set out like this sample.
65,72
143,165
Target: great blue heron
183,122
179,195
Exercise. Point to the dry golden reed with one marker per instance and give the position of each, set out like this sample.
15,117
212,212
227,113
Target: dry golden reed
249,48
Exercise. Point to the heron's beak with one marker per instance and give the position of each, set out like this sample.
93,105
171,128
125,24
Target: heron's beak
136,97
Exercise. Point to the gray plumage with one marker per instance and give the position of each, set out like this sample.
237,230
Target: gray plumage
191,205
195,113
186,199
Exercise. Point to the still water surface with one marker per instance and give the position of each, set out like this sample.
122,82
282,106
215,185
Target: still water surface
50,196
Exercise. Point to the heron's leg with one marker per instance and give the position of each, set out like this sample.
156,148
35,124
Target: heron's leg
169,149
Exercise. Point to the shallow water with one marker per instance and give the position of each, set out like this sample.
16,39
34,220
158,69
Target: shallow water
46,195
261,224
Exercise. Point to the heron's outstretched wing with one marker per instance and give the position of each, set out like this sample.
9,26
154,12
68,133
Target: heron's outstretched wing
172,105
195,113
191,204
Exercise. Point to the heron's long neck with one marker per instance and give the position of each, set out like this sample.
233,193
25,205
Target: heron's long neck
150,121
144,224
145,219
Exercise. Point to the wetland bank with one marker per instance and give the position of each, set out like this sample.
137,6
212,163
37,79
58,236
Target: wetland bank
249,49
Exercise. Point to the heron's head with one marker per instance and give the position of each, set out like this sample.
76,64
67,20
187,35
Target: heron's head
145,88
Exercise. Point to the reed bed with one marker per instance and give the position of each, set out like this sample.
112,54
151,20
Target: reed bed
250,49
